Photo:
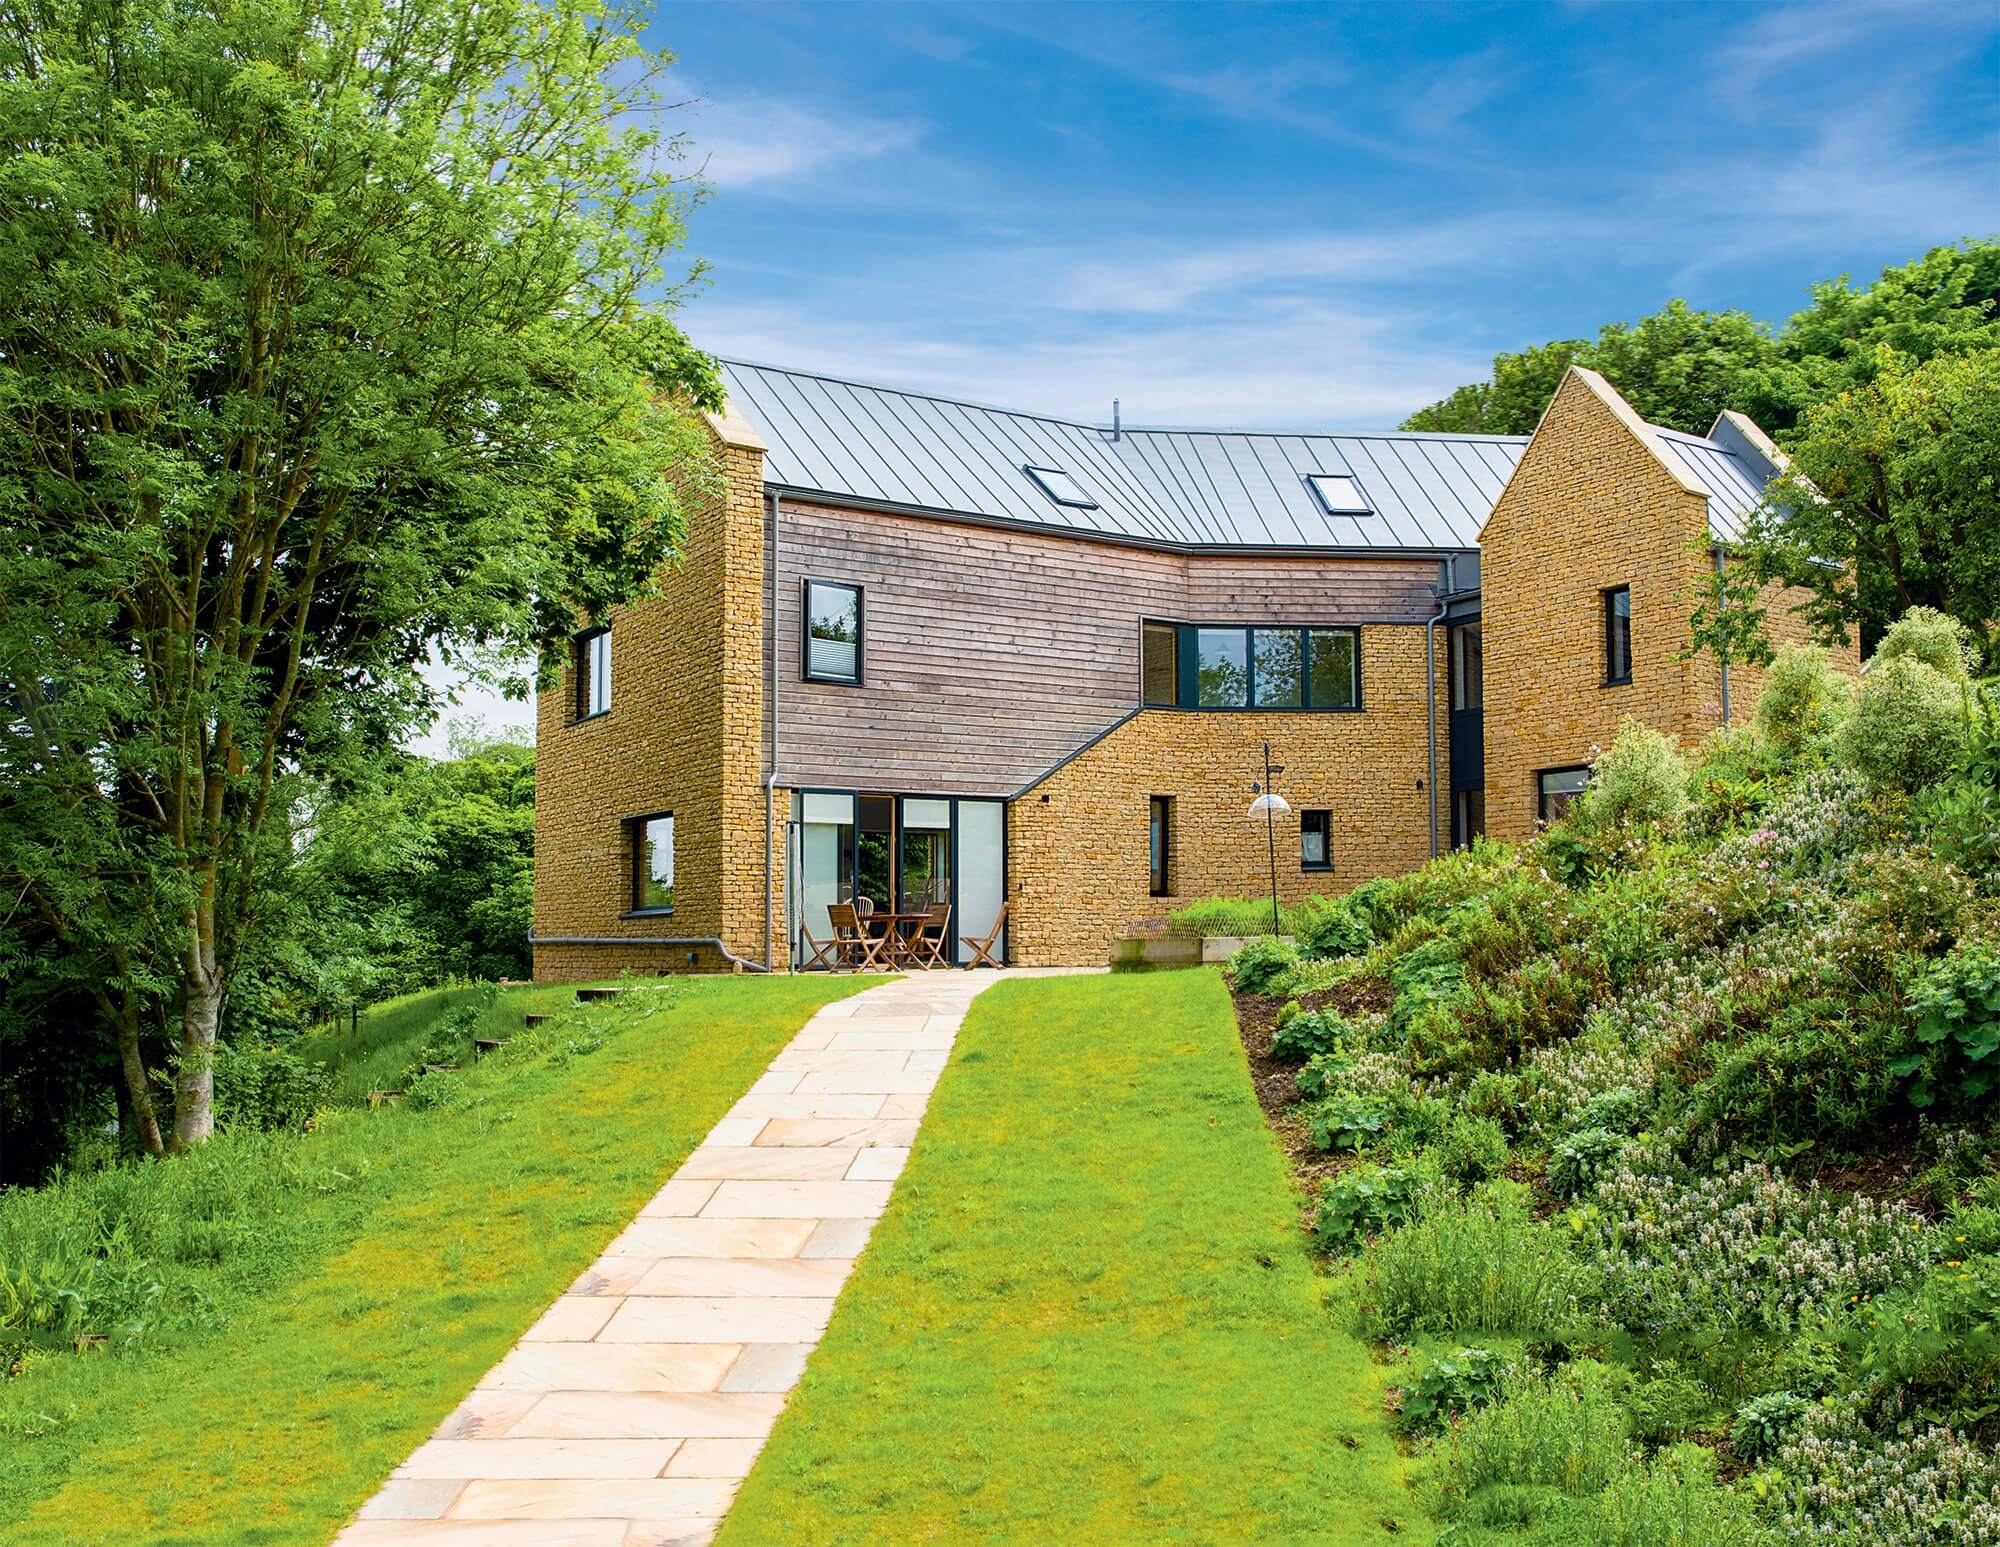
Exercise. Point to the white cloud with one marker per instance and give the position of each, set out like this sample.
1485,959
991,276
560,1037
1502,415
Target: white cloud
740,140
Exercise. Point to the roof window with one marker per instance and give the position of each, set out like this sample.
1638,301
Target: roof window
1339,494
1060,487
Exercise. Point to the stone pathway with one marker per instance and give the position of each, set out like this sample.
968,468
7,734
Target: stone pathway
629,1414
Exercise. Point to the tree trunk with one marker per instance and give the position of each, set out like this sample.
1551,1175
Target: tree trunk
194,1071
137,1107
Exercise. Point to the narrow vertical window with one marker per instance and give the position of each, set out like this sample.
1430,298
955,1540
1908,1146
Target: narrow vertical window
1334,674
1158,643
1315,840
1617,635
832,632
1280,663
593,672
1160,845
653,863
1223,670
1466,691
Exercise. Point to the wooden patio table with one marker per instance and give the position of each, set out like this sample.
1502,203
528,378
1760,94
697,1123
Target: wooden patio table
892,930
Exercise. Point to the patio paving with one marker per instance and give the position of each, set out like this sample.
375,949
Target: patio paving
630,1412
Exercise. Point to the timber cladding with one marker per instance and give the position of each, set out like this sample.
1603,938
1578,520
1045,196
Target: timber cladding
1077,843
993,654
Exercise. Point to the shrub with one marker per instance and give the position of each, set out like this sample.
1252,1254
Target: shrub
1909,726
1565,1431
1956,1006
1673,1500
1259,962
1474,1148
1620,1110
1924,634
1347,1121
1328,929
267,1087
1805,698
1640,778
1963,814
1732,780
1764,1423
1450,1387
1309,1035
1363,1202
1912,1484
1322,1075
1479,1265
1579,1159
1207,917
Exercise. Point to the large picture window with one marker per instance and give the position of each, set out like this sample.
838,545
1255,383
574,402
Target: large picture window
593,672
833,632
1617,636
1203,666
653,863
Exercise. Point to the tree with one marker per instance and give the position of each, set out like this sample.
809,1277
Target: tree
1678,367
335,335
1892,500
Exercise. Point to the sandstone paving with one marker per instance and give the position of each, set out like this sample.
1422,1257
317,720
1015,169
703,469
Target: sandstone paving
633,1408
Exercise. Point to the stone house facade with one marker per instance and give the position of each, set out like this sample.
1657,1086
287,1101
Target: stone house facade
931,652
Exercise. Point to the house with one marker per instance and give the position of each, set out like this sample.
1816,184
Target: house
924,650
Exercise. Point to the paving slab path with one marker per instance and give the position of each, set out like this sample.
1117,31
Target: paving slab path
629,1414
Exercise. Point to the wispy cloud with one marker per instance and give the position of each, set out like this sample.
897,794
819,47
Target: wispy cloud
740,139
1456,90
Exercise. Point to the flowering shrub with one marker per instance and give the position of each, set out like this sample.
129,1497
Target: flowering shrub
1909,725
1805,698
1839,1479
1641,777
1743,1248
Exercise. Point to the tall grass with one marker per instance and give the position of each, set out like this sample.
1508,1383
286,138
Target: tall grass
1207,917
1566,1431
371,1057
1478,1265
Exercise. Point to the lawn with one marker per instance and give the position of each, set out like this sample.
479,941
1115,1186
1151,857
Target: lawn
330,1297
1089,1315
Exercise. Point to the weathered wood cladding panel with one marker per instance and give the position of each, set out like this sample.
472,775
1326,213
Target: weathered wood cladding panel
991,655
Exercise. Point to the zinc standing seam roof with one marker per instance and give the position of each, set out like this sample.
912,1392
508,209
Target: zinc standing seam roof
1229,489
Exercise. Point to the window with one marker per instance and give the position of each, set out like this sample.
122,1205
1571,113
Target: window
1280,657
1468,817
1159,845
1315,840
833,632
1466,692
1262,667
1617,635
1558,787
653,863
1060,487
593,672
1339,494
1222,674
1158,679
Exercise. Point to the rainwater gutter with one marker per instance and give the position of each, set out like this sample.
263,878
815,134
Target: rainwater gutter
1431,711
711,941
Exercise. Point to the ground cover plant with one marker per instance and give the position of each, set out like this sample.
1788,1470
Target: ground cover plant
1668,1140
1086,1316
236,1345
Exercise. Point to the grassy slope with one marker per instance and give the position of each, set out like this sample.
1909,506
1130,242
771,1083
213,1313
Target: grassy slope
371,1057
1088,1315
398,1290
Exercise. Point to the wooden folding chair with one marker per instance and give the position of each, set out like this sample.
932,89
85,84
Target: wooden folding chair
982,950
858,948
819,953
927,945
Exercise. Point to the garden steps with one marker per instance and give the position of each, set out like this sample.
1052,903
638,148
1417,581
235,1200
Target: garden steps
628,1415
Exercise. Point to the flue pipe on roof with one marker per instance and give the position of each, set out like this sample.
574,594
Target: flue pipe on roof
1116,427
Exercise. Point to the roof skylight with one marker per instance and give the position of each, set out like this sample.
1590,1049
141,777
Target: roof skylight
1060,487
1339,494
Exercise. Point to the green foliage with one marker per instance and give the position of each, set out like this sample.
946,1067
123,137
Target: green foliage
1451,1386
1804,701
1640,778
1309,1035
1673,1500
1956,1007
1481,1265
1473,1149
268,1087
1620,1110
1579,1159
1207,917
1962,815
1345,1121
1321,1076
1566,1431
1364,1201
1909,726
1259,963
1329,928
1942,643
1764,1423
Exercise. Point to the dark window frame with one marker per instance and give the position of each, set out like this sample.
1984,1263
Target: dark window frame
580,671
1321,819
1160,867
1617,635
635,842
1187,667
860,632
1542,793
1173,633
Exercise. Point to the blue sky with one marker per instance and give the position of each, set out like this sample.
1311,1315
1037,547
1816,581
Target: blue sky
1295,216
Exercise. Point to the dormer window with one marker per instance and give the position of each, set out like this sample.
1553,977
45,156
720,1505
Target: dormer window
1060,487
1339,494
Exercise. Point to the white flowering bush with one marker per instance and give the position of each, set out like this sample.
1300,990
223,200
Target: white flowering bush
1744,1248
1842,1479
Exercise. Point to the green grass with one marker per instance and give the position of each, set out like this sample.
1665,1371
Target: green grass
370,1057
349,1286
1089,1315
